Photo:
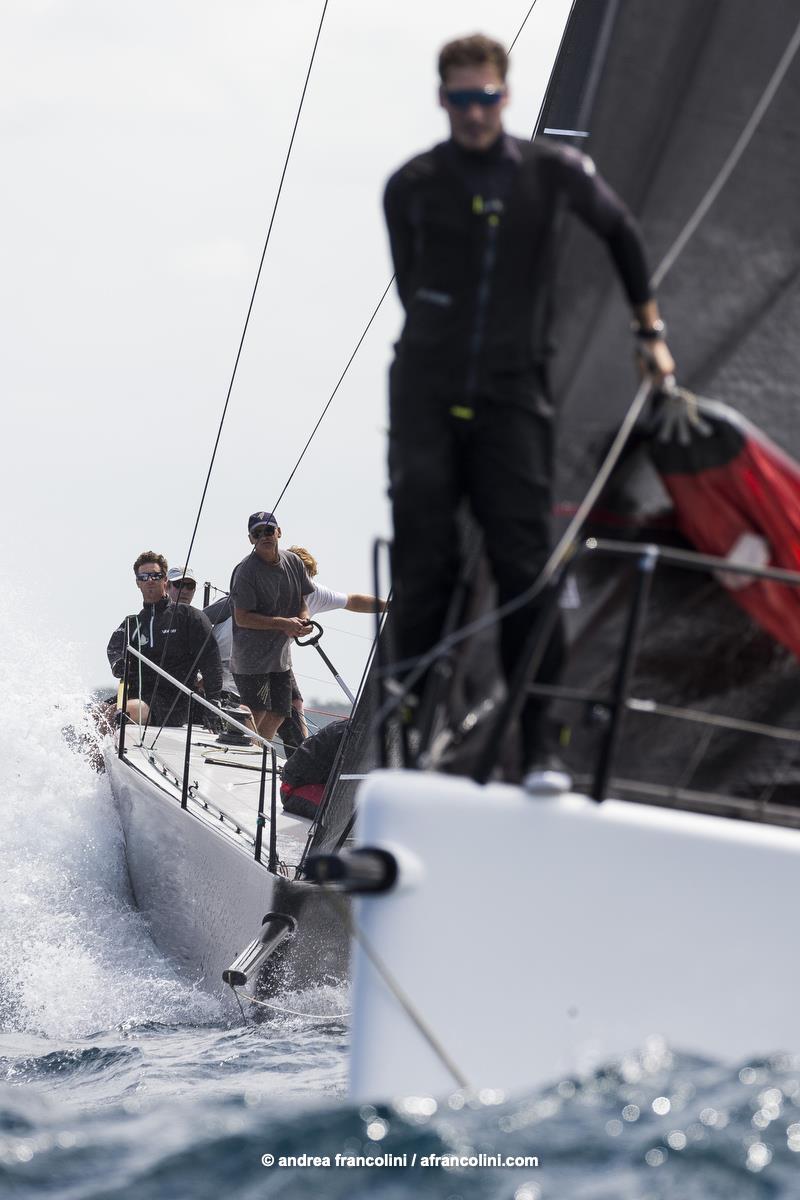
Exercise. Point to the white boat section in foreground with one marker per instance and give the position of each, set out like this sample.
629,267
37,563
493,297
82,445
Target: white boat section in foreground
539,938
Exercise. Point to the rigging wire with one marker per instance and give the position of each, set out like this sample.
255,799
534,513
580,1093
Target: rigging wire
333,393
257,279
522,26
415,1016
247,318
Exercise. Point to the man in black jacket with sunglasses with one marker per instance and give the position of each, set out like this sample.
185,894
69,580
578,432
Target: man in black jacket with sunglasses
177,638
473,229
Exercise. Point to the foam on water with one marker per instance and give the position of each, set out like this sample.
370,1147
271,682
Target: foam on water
74,955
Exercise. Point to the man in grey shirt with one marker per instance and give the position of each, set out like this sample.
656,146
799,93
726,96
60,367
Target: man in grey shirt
268,597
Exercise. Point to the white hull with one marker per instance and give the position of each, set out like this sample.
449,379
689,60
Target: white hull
193,876
540,938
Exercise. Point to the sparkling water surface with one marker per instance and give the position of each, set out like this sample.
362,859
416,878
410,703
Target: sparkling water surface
117,1079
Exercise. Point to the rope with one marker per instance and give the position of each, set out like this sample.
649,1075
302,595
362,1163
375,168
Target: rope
258,278
522,26
727,168
394,987
249,312
349,633
330,399
289,1012
238,1001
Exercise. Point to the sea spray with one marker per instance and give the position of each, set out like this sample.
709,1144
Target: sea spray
74,955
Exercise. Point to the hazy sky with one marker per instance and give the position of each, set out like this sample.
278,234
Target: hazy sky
143,145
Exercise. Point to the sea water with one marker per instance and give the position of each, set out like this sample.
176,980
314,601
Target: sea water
119,1079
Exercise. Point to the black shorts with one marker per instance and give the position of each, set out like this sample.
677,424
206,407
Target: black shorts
271,692
296,693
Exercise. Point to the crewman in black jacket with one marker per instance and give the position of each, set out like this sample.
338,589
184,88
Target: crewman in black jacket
473,225
178,638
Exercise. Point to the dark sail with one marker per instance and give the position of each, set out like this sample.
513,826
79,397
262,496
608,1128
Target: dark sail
676,87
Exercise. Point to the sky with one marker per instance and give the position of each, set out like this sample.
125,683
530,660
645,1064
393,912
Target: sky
143,145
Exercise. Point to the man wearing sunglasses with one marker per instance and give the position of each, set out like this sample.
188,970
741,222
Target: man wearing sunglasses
322,599
473,225
177,638
268,598
181,585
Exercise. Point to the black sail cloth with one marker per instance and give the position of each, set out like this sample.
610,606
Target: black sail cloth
664,113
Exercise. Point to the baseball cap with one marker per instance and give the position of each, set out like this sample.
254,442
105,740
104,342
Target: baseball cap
261,518
176,573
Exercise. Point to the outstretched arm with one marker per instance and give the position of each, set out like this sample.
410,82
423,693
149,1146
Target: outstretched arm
360,603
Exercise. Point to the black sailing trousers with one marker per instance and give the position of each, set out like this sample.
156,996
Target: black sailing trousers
493,449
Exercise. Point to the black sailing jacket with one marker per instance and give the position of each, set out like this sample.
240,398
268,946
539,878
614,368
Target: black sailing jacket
473,239
190,647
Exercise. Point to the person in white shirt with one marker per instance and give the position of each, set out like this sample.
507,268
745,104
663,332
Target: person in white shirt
322,599
325,599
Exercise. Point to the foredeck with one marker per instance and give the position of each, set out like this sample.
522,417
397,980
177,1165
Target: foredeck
223,788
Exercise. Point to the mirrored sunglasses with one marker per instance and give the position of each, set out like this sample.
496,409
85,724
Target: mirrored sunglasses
464,97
